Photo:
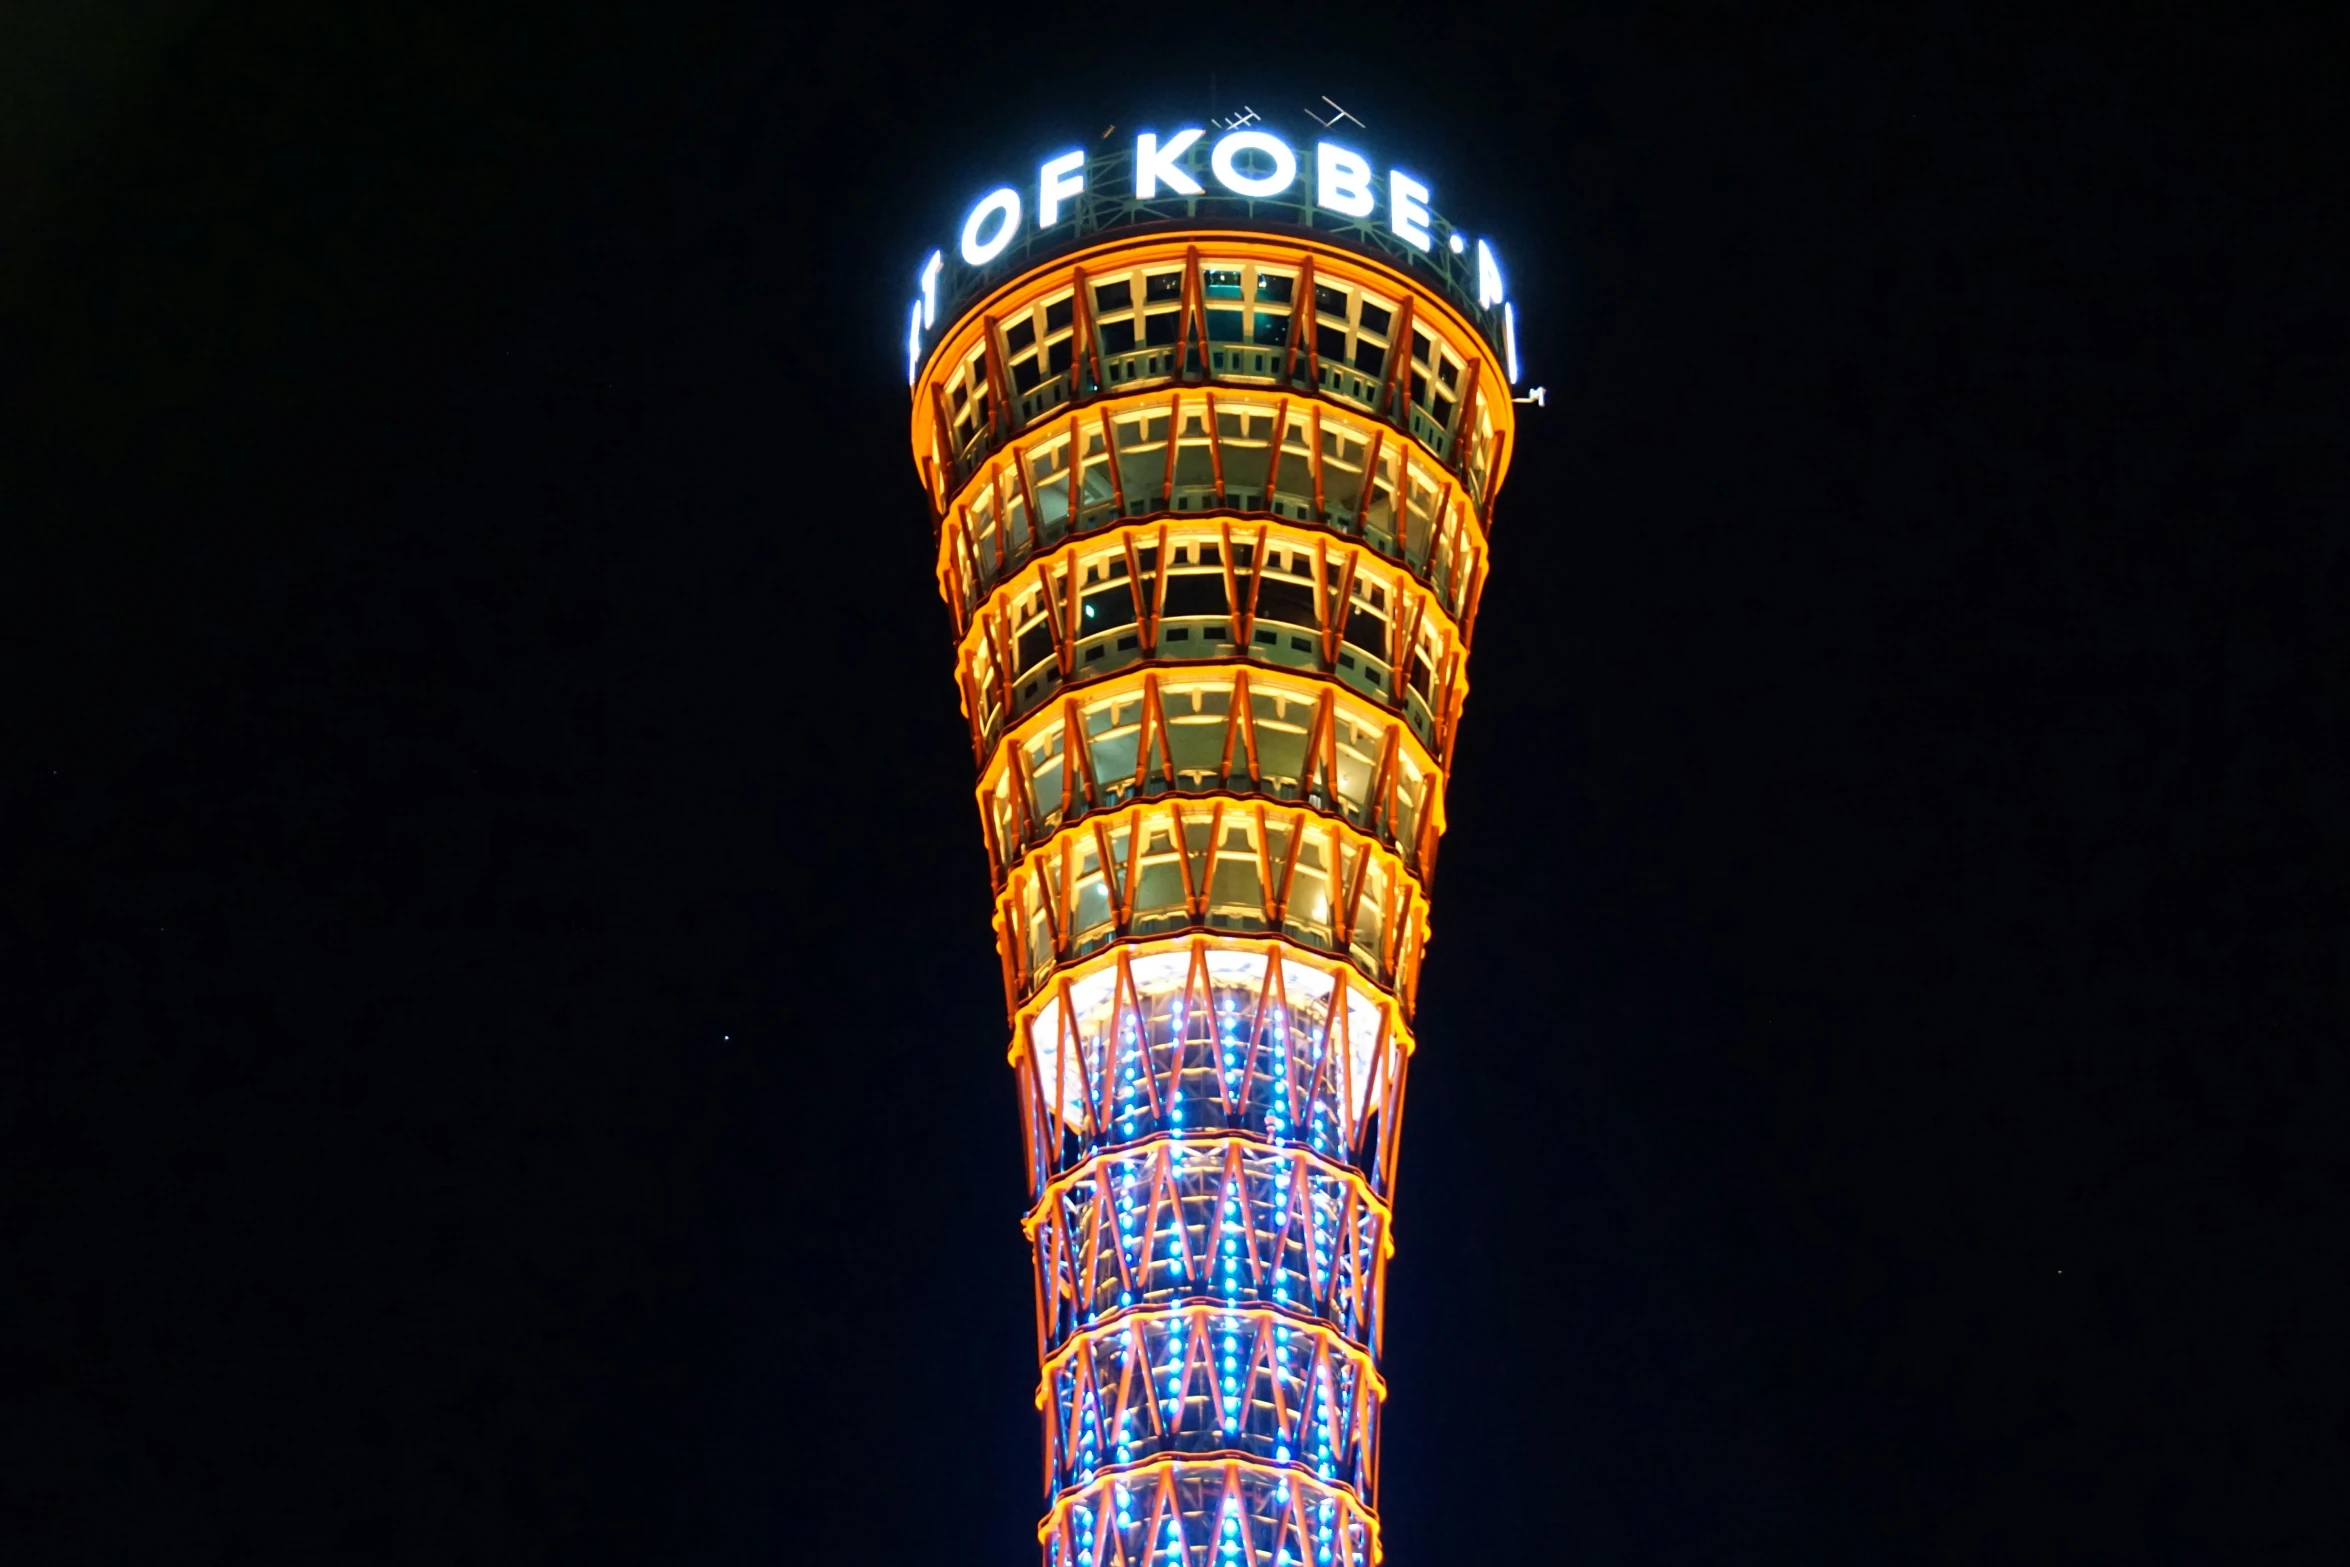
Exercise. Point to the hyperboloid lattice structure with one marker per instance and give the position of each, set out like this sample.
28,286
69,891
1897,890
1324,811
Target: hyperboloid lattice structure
1212,483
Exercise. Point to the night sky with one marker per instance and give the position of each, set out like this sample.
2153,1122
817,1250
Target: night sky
506,1061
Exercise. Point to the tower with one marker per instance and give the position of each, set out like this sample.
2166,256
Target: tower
1211,425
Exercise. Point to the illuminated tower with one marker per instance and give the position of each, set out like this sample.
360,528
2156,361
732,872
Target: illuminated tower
1211,428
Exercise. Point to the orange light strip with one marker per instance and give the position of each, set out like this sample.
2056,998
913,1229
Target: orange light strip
1196,1314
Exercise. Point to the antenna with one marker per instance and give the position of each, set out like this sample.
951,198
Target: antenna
1339,114
1233,122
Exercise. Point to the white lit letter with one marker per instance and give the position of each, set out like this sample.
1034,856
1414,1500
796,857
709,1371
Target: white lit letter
1228,174
1063,176
1489,290
1153,163
914,343
1006,202
1407,207
930,287
1509,338
1342,180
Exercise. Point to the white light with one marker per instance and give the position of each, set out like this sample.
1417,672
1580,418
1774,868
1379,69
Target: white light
914,343
1061,176
1454,240
1153,163
1509,338
1489,289
1342,180
1005,202
1228,175
930,270
1407,208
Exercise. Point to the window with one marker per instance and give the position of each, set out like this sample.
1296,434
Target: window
1058,313
1118,336
1036,645
1223,282
1020,335
1108,609
1163,285
1272,331
1330,302
1291,603
1375,319
1273,287
1114,296
1195,593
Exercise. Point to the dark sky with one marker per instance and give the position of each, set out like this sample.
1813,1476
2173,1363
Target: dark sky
506,1062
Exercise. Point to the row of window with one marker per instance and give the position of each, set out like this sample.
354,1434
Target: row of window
1174,734
1295,609
1135,315
1325,471
1178,866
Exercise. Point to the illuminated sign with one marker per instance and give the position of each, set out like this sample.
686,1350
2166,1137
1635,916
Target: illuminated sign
1250,162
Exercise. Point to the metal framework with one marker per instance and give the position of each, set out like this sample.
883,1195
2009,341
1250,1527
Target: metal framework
1212,510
